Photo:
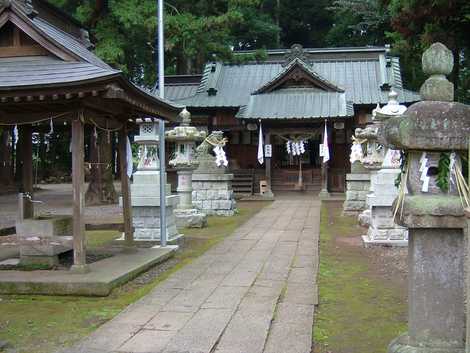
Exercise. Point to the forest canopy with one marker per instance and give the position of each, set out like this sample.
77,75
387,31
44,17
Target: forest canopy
200,30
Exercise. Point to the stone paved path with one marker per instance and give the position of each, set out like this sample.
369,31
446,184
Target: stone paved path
253,293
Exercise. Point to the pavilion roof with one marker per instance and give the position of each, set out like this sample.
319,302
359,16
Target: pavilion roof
65,68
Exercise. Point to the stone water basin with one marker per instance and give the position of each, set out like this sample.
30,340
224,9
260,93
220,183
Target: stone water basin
43,238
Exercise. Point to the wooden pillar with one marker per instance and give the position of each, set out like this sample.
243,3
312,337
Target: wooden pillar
78,181
26,142
269,192
125,189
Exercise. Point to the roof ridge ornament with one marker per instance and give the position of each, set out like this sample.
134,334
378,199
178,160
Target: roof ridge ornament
296,52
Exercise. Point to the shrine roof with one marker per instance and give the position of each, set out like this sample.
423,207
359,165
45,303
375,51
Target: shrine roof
297,104
364,74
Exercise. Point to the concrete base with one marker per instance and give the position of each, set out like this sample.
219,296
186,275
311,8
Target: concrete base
368,242
176,239
190,218
79,269
364,218
102,277
402,345
46,261
323,194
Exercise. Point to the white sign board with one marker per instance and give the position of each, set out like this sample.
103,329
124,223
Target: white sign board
268,151
321,149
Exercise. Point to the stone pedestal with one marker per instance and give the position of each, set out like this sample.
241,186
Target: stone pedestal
436,294
186,215
364,218
357,188
212,185
145,192
42,239
382,227
213,193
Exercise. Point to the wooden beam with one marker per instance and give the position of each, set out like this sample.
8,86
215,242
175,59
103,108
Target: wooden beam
78,181
26,141
126,191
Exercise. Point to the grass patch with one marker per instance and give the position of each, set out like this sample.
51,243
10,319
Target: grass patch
40,324
98,238
358,312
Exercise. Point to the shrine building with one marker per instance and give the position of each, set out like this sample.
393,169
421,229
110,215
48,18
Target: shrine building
292,94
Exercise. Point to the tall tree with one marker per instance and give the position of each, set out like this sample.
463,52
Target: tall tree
101,188
301,21
358,22
417,24
124,32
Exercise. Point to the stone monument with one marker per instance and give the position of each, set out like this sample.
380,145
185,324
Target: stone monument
145,189
212,185
357,182
382,228
433,135
184,161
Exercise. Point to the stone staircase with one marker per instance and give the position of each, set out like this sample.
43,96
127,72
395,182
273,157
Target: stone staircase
243,182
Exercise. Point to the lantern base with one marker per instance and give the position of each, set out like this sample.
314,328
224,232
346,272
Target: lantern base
402,344
190,218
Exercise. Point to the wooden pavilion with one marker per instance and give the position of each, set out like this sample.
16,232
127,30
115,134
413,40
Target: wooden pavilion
47,72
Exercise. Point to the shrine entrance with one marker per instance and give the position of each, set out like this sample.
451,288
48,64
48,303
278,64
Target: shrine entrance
292,170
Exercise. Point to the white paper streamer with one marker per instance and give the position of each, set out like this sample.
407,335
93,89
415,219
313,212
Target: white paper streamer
130,166
423,168
51,130
220,157
15,135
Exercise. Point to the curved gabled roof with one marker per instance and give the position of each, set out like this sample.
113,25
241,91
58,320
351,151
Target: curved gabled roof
362,73
298,63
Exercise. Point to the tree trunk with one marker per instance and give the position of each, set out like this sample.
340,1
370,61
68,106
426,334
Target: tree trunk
6,177
101,188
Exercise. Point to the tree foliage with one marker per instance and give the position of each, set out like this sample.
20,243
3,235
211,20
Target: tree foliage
202,30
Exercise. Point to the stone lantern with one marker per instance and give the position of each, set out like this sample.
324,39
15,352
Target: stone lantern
432,131
372,161
382,228
145,189
184,161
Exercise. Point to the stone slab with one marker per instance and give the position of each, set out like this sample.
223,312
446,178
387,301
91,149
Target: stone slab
168,321
201,333
358,177
212,177
146,341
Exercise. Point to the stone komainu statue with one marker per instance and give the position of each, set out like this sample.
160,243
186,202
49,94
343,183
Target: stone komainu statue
214,139
207,162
